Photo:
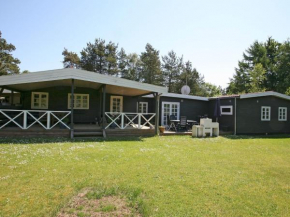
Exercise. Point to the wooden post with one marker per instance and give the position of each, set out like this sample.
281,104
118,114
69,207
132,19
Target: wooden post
72,109
12,98
157,98
104,107
235,131
138,102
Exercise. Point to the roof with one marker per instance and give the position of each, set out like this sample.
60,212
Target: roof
262,94
225,96
181,96
83,78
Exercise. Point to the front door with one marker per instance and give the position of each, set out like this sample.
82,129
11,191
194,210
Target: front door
169,108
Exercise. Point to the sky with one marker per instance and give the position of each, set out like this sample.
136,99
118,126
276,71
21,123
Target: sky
211,34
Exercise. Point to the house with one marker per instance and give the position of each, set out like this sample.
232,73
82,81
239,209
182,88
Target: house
253,113
77,103
73,102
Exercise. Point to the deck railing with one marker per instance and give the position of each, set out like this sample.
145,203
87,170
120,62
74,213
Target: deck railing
25,119
124,119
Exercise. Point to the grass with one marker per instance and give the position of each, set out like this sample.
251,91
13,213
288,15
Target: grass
164,176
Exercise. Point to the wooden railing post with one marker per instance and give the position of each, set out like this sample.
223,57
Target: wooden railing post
139,120
72,109
122,121
24,120
48,120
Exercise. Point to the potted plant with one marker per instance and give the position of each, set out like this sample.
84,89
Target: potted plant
161,129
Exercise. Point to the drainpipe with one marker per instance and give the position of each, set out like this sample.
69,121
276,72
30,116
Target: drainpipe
235,133
72,109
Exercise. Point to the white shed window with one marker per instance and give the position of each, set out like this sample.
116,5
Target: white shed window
116,104
226,110
265,113
142,107
282,114
81,101
39,100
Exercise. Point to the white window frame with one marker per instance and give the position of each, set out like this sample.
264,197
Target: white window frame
142,103
40,94
269,110
75,96
121,102
280,109
226,106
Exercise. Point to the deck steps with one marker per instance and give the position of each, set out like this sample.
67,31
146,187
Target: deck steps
88,133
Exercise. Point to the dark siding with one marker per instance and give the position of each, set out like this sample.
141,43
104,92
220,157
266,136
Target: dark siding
188,107
58,101
225,120
249,116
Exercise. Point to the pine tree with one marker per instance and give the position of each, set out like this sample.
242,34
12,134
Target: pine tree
171,68
71,59
93,57
257,78
8,64
122,63
111,56
192,78
151,66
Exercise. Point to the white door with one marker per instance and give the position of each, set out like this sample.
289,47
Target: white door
169,108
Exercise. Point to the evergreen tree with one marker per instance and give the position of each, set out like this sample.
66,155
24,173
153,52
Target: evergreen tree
71,59
122,64
8,64
257,78
151,66
111,56
283,68
210,90
192,78
272,58
93,57
172,68
134,67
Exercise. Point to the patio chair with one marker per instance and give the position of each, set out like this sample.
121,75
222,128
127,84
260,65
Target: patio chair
206,126
170,124
183,123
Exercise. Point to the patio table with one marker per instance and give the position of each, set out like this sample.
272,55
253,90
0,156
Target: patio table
191,122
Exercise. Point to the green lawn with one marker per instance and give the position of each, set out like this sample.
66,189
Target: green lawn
171,176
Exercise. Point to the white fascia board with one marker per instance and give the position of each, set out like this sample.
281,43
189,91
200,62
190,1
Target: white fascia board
180,96
62,74
269,93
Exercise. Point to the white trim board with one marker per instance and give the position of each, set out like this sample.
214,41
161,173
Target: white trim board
268,93
180,96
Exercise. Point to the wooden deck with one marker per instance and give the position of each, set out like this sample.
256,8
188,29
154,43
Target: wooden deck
80,130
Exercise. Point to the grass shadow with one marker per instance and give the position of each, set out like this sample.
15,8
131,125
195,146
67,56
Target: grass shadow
42,140
257,136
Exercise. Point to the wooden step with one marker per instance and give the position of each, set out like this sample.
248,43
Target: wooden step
88,133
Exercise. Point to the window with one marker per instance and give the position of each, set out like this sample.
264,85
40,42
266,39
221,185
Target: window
226,110
282,114
81,101
39,100
265,113
143,107
116,104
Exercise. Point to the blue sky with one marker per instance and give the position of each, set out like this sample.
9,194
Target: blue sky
211,34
